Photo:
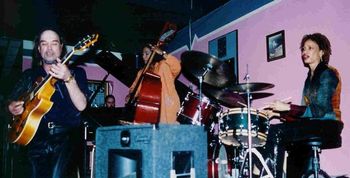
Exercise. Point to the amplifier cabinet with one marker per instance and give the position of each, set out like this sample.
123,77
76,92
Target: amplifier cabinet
151,151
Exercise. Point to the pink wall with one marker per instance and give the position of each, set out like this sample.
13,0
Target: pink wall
296,17
117,89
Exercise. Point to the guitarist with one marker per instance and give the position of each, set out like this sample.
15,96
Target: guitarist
168,68
51,151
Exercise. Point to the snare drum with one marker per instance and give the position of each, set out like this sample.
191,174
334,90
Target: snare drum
190,109
234,127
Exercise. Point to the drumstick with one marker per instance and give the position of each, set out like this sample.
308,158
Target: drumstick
283,100
242,104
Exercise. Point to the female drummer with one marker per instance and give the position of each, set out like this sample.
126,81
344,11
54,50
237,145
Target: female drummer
319,113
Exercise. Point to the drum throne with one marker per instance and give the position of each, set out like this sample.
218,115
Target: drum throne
328,136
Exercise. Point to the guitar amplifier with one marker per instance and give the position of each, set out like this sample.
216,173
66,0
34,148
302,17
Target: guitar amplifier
151,151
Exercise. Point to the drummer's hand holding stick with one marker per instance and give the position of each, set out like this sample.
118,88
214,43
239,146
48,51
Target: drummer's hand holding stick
273,110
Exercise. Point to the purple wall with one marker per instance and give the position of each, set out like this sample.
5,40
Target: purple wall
296,17
117,89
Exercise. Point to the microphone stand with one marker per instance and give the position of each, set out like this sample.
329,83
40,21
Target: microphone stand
86,125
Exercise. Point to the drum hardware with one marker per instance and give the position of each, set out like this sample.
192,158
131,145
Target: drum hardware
198,120
248,88
247,77
262,161
275,153
273,161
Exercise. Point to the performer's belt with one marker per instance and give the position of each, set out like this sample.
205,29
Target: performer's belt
56,128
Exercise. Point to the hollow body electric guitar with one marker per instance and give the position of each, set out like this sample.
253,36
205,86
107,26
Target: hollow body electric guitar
37,100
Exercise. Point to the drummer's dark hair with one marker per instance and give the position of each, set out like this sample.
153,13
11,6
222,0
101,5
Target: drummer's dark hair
322,42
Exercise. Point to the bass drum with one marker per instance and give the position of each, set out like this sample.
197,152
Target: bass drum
221,161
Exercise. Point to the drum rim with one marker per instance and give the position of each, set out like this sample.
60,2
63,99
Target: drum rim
239,111
261,136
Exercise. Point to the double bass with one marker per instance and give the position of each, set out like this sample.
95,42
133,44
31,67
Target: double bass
147,104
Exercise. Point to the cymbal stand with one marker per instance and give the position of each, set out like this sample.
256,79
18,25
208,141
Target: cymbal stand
250,170
261,159
249,125
198,119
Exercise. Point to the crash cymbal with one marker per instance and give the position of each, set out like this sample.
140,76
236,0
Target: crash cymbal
243,87
225,96
216,73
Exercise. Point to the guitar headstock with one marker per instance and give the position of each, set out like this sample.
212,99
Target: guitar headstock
86,42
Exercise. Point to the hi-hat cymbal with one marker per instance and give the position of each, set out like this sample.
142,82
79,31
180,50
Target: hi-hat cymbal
243,87
216,73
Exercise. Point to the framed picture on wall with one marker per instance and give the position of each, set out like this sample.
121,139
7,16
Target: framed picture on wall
225,48
275,46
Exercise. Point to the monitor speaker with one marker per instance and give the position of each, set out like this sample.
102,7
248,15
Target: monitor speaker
151,151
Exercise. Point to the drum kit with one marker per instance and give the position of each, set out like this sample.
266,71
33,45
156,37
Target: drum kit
234,133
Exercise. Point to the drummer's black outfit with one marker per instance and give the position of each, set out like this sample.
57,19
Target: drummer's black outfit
52,151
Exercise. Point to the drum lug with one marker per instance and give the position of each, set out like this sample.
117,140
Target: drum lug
180,111
187,97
